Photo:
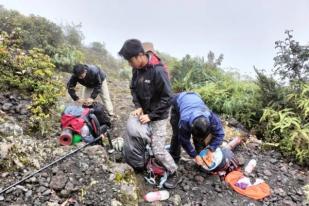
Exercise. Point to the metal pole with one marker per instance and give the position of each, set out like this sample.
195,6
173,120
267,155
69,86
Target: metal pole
61,158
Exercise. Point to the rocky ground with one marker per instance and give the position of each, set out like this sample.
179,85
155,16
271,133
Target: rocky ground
92,177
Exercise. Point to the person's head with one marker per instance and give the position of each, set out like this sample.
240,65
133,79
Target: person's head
79,70
133,51
200,127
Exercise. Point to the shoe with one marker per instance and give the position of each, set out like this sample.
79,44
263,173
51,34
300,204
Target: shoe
172,181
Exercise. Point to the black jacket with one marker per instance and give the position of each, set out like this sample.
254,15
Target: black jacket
151,90
94,78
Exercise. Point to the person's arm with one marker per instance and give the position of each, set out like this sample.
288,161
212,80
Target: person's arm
217,132
71,88
98,88
133,89
184,136
163,85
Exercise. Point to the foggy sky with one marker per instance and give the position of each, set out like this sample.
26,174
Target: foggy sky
243,30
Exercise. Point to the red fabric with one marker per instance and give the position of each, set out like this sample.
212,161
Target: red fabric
72,122
155,59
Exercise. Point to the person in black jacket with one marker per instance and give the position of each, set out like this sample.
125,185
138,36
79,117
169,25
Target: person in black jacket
94,80
152,95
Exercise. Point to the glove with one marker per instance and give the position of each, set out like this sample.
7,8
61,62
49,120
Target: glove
118,144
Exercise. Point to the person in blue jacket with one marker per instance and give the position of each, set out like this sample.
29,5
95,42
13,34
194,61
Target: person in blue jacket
191,117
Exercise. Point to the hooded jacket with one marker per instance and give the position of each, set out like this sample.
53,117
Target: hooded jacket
190,106
151,89
93,79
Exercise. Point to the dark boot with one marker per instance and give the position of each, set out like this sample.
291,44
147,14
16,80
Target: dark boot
172,181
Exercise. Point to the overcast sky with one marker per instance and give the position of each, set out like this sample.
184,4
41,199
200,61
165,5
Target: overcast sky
243,30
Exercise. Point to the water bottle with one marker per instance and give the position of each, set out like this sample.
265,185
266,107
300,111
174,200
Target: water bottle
233,143
250,166
158,195
84,132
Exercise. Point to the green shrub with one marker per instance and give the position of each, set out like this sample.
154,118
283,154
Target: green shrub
235,98
290,126
33,73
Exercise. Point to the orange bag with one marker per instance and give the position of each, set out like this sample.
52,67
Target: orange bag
256,192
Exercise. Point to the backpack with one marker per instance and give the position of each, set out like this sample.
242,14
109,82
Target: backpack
75,117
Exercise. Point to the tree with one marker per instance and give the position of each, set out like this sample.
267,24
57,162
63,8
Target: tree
292,60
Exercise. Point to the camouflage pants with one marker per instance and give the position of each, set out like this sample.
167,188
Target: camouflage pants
158,129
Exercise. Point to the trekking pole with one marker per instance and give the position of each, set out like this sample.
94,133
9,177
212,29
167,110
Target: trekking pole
54,162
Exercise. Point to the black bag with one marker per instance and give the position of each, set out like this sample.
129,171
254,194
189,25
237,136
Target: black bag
101,114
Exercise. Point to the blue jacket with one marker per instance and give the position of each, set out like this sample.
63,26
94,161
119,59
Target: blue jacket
190,106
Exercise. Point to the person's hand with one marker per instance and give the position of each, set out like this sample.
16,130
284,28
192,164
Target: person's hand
198,160
89,101
144,119
208,159
80,101
137,112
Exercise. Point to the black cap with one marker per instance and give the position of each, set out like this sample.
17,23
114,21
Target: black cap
78,69
131,48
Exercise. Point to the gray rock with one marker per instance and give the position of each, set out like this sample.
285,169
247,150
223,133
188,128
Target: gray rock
273,160
47,192
199,179
58,182
7,106
1,198
218,189
280,192
186,187
41,189
288,203
267,173
115,202
28,194
176,199
4,150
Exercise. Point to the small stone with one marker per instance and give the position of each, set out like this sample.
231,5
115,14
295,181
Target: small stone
273,160
186,187
284,169
1,198
47,192
115,202
176,199
28,194
218,189
4,174
241,160
288,203
6,106
267,173
199,179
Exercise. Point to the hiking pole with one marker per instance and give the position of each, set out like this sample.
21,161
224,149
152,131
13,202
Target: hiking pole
54,162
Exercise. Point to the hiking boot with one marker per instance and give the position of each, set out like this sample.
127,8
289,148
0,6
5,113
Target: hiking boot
172,181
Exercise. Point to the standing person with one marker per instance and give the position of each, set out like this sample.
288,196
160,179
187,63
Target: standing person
190,116
94,80
152,95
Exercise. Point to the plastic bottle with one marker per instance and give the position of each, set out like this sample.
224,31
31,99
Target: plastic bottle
84,132
158,195
250,166
233,143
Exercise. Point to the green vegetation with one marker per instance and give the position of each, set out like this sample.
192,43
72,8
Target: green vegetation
31,72
277,111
